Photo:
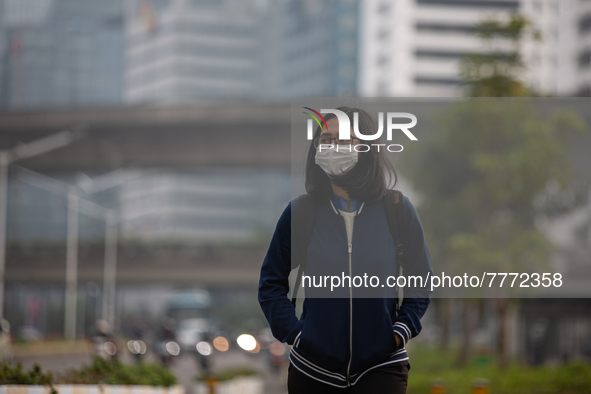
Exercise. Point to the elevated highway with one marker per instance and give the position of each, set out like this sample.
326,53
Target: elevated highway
225,135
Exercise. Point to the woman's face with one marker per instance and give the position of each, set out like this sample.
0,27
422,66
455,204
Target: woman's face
333,132
333,160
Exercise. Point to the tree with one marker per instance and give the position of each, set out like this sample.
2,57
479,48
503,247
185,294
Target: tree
497,71
480,173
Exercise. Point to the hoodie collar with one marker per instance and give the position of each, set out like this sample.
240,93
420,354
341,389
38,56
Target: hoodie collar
340,203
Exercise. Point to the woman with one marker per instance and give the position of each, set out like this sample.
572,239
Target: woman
354,344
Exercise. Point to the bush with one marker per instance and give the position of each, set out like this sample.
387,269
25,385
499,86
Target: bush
228,374
103,371
428,365
14,374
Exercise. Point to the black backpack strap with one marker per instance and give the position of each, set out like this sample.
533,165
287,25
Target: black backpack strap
395,212
303,217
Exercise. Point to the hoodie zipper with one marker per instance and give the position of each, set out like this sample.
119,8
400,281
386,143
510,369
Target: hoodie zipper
349,250
350,247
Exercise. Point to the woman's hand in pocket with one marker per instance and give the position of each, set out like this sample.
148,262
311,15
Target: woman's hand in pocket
398,340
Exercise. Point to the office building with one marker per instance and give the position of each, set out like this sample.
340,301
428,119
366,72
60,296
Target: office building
192,51
56,53
320,48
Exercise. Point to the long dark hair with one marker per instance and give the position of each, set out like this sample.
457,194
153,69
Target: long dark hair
366,181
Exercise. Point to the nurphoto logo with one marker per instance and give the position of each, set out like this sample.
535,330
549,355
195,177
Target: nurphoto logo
345,127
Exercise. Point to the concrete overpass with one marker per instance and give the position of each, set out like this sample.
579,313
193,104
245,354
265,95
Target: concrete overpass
224,135
217,135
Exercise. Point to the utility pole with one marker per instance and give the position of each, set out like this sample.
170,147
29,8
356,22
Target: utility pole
110,274
72,264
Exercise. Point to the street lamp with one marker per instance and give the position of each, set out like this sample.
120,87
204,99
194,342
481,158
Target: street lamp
90,186
19,152
77,204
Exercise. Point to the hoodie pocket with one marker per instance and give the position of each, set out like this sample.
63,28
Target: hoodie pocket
374,340
324,340
296,341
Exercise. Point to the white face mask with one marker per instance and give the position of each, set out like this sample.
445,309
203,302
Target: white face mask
335,162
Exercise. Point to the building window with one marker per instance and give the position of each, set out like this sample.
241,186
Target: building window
585,59
457,55
382,88
383,34
585,24
438,28
382,60
451,81
383,8
584,91
471,3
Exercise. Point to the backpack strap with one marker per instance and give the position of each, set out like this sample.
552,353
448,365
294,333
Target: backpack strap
304,218
395,212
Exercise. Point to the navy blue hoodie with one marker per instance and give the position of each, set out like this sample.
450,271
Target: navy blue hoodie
337,340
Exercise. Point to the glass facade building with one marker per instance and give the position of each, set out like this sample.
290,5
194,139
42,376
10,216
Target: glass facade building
319,51
191,51
56,53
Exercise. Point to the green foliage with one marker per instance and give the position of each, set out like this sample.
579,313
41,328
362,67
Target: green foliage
480,174
428,365
103,371
228,374
496,71
14,374
489,161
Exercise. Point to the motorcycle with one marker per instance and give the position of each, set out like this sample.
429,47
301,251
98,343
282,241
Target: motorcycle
166,351
103,342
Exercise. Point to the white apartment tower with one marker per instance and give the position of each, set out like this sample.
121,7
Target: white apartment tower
413,47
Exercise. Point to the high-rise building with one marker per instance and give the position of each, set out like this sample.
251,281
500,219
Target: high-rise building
61,53
319,48
88,53
414,47
192,50
195,51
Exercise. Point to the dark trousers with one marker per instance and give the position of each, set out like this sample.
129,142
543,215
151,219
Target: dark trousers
387,379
